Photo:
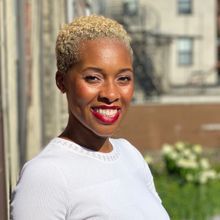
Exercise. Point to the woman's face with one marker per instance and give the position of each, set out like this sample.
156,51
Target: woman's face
99,88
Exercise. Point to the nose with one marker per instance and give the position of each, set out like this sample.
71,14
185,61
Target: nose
109,93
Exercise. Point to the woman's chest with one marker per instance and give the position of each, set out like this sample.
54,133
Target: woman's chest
123,198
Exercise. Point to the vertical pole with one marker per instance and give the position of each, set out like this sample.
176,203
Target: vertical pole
3,190
3,187
21,84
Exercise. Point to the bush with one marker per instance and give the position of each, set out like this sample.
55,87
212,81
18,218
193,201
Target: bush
185,161
187,184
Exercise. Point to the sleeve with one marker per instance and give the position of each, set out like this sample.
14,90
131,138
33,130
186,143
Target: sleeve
150,182
40,193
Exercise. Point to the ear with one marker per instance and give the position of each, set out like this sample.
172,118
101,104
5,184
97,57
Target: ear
60,81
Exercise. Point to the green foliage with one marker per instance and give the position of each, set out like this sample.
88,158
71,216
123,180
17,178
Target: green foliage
187,184
185,161
188,201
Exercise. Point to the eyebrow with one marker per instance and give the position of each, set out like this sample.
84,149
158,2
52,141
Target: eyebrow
103,72
93,68
126,69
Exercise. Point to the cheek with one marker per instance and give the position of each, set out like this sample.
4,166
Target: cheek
127,93
84,94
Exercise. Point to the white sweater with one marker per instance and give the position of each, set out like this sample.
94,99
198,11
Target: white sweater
69,182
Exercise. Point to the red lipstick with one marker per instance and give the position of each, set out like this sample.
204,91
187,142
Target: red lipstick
106,114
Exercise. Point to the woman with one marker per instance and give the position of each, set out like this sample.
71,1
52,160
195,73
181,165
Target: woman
84,173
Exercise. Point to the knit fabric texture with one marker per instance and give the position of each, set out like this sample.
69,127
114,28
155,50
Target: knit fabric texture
69,182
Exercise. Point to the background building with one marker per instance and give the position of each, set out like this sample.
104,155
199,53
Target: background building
176,45
192,27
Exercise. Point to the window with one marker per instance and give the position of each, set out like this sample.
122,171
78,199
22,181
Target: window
130,7
184,6
185,51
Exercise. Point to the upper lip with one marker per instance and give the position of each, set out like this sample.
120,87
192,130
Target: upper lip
106,107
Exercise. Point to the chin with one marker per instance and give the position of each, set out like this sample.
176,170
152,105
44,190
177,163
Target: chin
104,134
104,131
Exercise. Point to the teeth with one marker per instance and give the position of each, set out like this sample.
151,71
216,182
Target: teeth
107,112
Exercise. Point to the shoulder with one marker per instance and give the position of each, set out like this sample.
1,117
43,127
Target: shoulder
129,151
127,148
40,178
44,167
121,142
41,171
41,189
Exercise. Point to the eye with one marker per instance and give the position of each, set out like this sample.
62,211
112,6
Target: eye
92,79
124,80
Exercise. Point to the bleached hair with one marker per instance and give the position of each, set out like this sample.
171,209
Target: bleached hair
84,28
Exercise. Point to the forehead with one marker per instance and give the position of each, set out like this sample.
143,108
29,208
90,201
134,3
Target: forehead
104,48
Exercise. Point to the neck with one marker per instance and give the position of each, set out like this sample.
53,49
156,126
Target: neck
85,137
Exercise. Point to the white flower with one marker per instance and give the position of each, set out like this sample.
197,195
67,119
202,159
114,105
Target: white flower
211,174
180,145
203,178
167,149
197,149
187,164
206,175
148,159
173,155
192,156
187,153
204,163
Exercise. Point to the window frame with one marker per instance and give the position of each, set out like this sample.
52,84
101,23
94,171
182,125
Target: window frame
184,7
185,55
130,7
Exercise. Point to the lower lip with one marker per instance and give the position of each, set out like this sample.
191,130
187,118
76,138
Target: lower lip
105,119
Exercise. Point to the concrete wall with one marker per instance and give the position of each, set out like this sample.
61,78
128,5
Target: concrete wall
8,96
150,126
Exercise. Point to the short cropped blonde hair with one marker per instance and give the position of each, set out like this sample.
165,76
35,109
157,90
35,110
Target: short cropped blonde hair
86,28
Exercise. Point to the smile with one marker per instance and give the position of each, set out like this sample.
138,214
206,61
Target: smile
106,114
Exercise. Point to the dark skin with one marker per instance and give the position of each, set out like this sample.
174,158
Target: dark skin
92,141
103,77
